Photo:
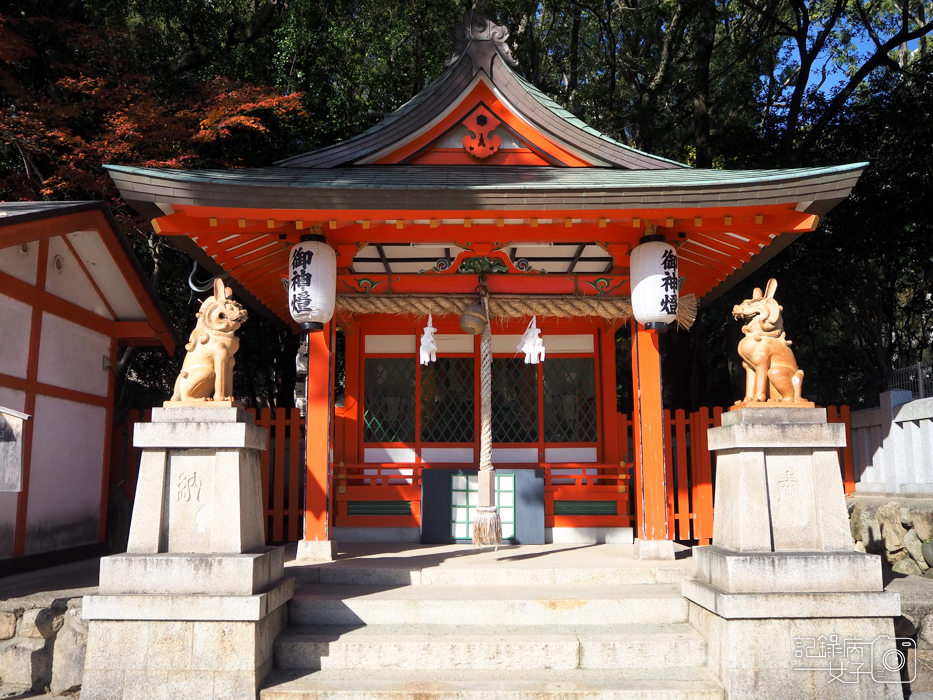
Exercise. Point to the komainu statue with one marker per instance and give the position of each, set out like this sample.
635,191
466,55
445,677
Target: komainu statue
207,371
771,372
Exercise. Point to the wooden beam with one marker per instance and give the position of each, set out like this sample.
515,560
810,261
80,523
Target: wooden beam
607,379
576,258
585,284
16,234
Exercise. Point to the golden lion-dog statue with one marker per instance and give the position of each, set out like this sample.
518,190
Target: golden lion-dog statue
771,372
207,371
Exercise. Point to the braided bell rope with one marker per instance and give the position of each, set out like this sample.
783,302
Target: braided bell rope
611,308
485,353
487,523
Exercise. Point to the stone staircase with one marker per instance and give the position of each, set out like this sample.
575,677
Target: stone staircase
497,627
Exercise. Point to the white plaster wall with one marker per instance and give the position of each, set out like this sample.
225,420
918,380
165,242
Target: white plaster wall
450,342
15,326
107,275
65,475
17,401
385,455
20,264
447,455
70,282
71,356
390,344
570,454
554,344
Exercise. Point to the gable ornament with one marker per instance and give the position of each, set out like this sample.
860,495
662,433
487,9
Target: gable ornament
478,25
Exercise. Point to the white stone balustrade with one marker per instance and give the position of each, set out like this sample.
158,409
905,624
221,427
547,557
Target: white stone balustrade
893,446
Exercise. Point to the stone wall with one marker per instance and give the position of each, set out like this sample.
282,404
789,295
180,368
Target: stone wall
42,648
894,528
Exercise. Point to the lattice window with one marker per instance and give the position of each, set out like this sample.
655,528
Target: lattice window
514,401
569,399
464,490
389,400
447,400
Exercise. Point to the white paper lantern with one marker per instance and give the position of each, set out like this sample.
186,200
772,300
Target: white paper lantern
655,283
312,282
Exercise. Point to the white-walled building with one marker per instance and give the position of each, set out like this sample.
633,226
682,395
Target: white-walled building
71,292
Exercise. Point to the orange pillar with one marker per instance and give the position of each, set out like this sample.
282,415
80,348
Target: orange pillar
610,409
649,446
319,452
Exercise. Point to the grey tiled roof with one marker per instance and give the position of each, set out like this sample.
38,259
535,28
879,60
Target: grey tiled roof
27,211
485,187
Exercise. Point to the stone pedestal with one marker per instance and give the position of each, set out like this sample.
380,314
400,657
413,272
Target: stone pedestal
658,550
788,609
194,606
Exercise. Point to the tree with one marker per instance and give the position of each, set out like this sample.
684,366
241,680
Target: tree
72,98
852,39
238,83
856,293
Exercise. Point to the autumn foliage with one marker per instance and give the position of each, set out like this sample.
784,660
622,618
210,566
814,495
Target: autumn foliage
72,101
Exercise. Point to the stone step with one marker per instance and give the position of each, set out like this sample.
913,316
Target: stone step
625,684
469,605
352,573
498,647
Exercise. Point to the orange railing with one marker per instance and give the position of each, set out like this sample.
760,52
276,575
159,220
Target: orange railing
689,474
607,483
690,469
124,458
387,483
280,467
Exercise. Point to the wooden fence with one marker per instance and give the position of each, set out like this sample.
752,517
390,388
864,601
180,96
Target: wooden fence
691,473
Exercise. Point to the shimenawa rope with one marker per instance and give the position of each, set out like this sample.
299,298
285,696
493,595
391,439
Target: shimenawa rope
556,306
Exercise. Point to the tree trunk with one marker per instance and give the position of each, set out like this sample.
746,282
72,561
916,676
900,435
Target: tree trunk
706,31
574,75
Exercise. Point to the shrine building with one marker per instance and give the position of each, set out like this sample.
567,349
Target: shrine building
481,177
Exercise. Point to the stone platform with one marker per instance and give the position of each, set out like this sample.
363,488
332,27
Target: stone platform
194,606
445,622
788,608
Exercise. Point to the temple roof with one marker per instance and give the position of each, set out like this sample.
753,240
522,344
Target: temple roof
481,56
501,188
481,164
